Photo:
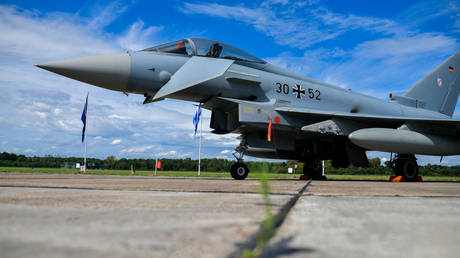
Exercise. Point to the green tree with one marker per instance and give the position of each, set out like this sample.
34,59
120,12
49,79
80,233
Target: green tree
374,163
109,162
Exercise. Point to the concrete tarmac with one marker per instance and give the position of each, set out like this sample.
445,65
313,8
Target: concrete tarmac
372,219
52,215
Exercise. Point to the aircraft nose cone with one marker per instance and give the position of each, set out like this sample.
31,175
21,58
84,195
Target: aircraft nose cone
107,71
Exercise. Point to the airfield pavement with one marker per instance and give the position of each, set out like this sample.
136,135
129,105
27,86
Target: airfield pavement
57,215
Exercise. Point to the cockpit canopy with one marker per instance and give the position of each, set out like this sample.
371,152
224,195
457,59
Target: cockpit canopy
204,47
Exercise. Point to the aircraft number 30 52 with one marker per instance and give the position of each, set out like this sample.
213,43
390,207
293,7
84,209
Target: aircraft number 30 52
298,91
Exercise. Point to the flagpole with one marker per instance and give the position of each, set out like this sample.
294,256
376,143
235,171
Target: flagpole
86,136
156,165
84,162
199,149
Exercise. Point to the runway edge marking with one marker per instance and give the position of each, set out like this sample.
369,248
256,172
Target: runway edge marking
252,242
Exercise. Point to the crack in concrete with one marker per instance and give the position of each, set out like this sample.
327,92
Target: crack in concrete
278,221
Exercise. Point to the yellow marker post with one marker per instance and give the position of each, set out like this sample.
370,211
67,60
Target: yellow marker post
133,172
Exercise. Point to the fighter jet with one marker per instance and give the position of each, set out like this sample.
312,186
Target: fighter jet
282,115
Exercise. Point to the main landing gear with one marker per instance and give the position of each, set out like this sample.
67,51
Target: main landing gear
239,170
313,169
405,165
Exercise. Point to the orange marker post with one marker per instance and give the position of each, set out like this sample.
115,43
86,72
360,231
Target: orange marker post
269,134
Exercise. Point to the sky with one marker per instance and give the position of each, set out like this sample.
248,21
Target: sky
372,47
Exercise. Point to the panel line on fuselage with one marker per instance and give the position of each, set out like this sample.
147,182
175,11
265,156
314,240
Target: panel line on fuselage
243,73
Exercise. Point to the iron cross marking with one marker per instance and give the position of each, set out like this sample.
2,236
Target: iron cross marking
297,90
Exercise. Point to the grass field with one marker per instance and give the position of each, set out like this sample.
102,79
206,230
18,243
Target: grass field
254,174
128,172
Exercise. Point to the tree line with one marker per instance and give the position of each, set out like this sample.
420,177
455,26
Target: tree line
211,165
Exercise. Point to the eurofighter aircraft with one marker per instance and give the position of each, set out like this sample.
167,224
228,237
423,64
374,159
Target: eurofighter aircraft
282,115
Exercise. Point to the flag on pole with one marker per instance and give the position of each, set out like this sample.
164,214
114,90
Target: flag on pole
83,119
269,134
159,164
196,118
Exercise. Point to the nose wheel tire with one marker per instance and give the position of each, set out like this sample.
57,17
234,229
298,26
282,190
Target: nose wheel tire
239,171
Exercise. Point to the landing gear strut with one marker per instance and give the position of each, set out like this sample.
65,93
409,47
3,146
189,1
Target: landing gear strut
239,170
313,169
406,165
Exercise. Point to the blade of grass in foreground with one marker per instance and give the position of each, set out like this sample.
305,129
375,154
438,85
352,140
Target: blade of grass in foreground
268,228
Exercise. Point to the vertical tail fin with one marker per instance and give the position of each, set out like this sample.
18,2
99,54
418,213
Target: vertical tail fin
439,90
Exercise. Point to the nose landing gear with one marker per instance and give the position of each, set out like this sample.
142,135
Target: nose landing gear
239,170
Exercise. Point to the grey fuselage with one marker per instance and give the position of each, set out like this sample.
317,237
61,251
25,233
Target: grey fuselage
309,118
332,98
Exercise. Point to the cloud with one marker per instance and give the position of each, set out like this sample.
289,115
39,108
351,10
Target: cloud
41,37
137,37
405,46
424,11
114,116
284,31
344,23
293,5
155,151
47,107
269,3
211,139
116,141
32,35
137,149
455,7
69,125
42,115
105,15
167,154
311,26
225,152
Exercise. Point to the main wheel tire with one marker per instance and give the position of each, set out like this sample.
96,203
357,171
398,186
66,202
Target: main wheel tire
312,169
410,170
239,171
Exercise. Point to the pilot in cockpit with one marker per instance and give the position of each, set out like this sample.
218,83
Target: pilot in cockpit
214,50
207,48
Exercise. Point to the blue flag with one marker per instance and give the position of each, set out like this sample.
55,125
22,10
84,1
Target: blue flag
196,118
83,119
